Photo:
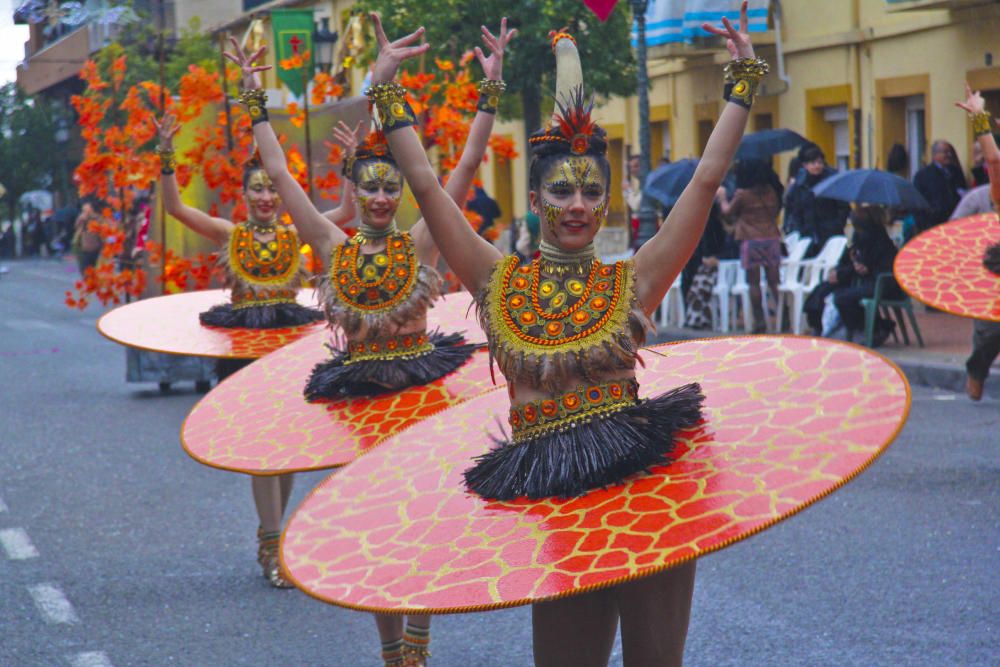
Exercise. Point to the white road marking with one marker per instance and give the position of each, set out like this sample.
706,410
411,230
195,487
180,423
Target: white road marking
53,604
17,544
90,659
29,325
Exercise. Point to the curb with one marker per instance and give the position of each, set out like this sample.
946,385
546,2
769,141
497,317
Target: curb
946,375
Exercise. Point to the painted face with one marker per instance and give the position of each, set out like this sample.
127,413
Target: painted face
262,198
573,201
378,189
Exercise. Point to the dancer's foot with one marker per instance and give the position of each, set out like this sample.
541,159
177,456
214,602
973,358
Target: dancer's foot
416,641
973,388
267,556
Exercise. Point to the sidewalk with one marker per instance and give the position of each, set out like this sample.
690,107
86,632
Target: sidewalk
940,363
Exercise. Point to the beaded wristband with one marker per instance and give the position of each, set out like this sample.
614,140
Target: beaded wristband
743,75
168,163
981,123
255,101
489,95
389,100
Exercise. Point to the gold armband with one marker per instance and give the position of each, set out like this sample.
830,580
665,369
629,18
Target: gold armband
981,123
489,95
168,163
389,101
743,75
255,101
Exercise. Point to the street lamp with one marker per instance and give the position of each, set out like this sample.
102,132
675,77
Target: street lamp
324,41
62,136
647,214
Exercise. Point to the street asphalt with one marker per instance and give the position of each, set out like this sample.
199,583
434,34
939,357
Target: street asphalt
117,549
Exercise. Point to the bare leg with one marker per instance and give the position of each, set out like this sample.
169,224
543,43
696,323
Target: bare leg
286,482
759,318
655,612
575,632
267,498
773,277
390,628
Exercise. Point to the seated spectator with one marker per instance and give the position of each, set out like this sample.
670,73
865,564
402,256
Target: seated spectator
871,252
702,270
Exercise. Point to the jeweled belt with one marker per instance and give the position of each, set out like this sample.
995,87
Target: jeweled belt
550,415
405,346
262,297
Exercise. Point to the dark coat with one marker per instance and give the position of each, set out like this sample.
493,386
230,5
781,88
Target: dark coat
941,187
814,217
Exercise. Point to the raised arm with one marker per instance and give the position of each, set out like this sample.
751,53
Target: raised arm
348,208
470,256
660,260
982,127
312,226
460,179
216,229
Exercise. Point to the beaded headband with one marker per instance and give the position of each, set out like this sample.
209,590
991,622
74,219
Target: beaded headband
374,147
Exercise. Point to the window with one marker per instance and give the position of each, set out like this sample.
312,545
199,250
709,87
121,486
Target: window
916,138
837,118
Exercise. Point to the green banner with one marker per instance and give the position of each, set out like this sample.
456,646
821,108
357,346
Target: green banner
293,36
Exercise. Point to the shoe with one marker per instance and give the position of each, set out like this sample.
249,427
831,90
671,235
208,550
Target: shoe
884,329
267,556
973,388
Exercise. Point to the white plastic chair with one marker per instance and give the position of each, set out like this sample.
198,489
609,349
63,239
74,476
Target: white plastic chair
722,297
799,282
672,306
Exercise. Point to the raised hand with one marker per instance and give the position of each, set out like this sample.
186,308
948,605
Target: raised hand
166,128
246,64
737,41
347,137
493,65
391,54
974,102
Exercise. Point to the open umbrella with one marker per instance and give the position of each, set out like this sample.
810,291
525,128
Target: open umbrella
665,184
872,186
765,143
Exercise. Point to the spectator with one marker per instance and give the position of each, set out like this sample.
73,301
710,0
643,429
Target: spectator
632,191
941,183
87,242
702,270
485,207
898,161
871,252
754,211
528,234
814,218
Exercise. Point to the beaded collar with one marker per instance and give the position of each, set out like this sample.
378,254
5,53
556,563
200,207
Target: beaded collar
377,282
255,262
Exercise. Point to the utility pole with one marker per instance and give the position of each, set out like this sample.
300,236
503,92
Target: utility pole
647,214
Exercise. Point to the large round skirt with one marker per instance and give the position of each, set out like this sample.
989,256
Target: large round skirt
170,324
943,267
257,421
788,421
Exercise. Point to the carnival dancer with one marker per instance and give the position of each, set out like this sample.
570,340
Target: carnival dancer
985,333
377,286
566,326
264,270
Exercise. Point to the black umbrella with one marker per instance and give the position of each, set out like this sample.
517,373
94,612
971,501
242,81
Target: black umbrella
872,186
665,184
765,143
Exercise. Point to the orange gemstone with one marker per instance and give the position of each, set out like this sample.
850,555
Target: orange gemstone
520,282
528,317
375,347
602,286
408,341
615,390
524,269
571,401
516,301
581,317
401,272
554,328
392,345
549,408
372,294
606,270
529,412
515,418
599,303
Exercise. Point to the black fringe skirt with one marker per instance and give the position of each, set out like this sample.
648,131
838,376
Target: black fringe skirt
991,259
593,455
334,379
269,316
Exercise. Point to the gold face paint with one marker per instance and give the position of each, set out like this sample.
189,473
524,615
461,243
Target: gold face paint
569,175
260,190
374,176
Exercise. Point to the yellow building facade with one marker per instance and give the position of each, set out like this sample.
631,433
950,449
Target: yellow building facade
859,76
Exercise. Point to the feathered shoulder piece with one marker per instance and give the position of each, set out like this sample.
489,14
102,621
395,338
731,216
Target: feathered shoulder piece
572,131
